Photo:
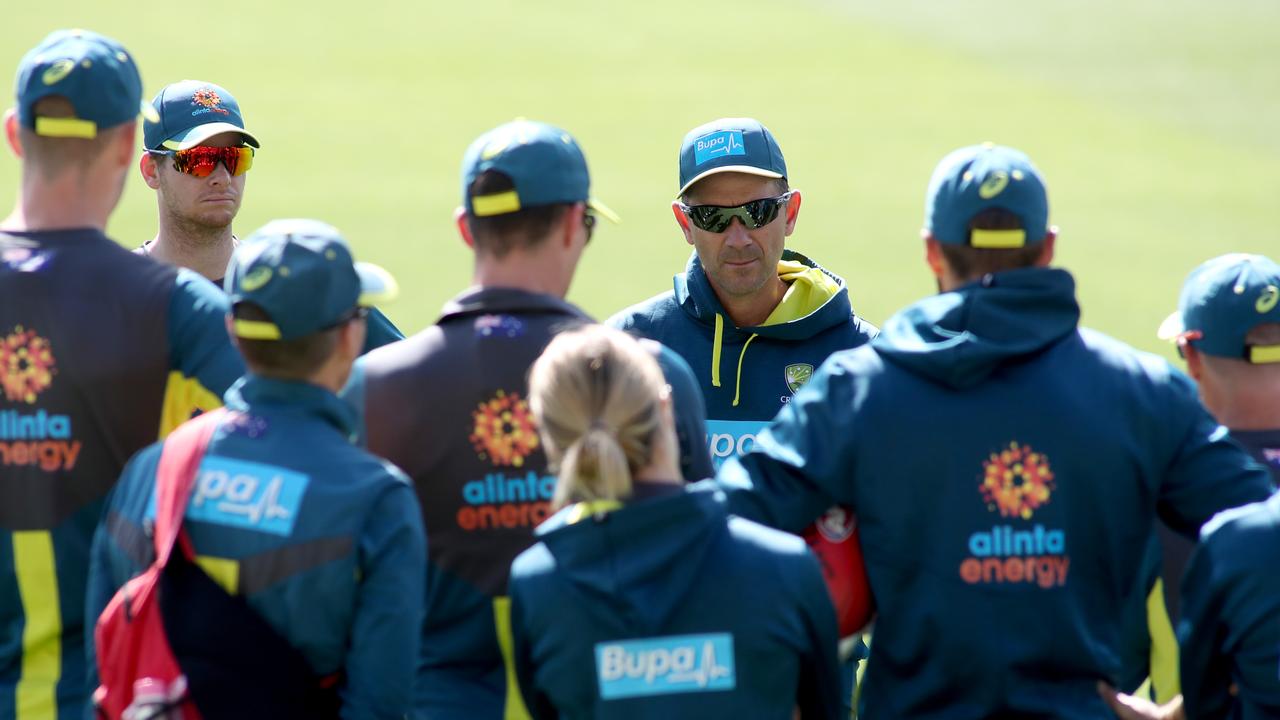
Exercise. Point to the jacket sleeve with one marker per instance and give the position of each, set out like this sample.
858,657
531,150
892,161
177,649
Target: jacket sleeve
821,688
202,361
382,661
538,705
690,413
1205,665
1208,472
379,331
799,465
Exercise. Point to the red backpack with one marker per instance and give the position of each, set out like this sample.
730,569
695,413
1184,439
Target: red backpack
139,674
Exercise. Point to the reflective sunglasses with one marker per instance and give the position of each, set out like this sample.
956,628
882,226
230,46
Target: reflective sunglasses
201,161
754,214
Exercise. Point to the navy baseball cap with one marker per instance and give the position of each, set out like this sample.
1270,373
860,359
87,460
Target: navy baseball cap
980,177
92,72
740,145
1221,301
190,112
301,273
543,162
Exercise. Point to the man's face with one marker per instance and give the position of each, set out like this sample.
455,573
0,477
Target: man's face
740,261
209,202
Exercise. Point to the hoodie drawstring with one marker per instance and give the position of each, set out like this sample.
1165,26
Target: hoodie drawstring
737,383
716,346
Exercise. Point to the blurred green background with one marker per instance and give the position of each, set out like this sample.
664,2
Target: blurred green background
1156,123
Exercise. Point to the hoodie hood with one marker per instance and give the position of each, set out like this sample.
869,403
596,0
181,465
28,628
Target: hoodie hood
959,338
642,558
695,296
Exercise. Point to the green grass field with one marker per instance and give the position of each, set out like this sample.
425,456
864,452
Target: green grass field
1155,123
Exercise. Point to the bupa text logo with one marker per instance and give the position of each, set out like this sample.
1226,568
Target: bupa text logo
247,495
718,144
665,665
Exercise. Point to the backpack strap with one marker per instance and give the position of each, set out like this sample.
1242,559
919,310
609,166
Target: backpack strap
180,458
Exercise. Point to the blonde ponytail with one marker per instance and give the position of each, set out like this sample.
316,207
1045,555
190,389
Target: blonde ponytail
595,394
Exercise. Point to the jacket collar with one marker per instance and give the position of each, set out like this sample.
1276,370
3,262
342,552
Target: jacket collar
482,300
253,392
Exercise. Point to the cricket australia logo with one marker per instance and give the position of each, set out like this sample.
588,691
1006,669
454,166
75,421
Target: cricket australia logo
797,375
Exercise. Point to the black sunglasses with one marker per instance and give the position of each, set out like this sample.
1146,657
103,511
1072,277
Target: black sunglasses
753,214
589,222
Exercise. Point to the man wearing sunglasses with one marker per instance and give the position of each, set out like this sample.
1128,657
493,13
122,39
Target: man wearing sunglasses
449,405
751,317
197,154
100,351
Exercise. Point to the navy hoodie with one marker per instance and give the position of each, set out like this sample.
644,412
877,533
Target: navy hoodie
668,607
1006,467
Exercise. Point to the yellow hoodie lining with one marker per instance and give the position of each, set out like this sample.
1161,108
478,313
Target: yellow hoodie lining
808,289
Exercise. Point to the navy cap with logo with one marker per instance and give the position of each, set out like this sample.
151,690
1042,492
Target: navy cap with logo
973,179
543,162
92,72
302,275
190,112
1222,301
729,145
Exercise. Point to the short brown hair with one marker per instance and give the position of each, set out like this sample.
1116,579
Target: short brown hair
1264,334
294,359
52,156
498,235
969,263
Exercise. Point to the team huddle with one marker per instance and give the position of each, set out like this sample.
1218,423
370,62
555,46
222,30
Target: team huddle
232,488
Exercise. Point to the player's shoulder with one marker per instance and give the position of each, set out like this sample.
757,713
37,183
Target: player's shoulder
415,355
766,542
643,317
194,293
1244,525
535,564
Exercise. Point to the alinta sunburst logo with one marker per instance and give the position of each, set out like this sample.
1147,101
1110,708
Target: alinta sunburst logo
206,98
1017,481
504,432
26,365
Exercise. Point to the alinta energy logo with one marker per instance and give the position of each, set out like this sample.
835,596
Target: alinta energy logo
37,439
504,434
1017,482
209,101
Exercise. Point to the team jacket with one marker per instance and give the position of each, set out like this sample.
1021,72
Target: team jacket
322,539
1230,600
1005,467
669,608
449,405
101,353
748,374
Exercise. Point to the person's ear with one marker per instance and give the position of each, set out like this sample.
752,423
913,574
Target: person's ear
150,170
352,338
1046,252
933,255
125,144
683,221
464,227
11,132
571,223
231,330
1195,360
793,211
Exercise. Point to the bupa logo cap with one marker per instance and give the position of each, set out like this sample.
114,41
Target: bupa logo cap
741,145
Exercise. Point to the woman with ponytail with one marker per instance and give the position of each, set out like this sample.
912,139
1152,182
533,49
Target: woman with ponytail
643,598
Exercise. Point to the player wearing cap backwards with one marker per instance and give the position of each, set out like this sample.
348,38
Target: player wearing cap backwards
321,538
751,317
1227,328
1006,465
449,406
101,351
197,154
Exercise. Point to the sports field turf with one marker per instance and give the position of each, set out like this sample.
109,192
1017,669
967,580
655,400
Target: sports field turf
1154,122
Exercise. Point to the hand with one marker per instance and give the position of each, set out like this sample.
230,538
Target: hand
1128,707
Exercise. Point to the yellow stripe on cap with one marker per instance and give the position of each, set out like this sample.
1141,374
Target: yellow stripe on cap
500,204
998,239
256,330
1259,354
35,570
66,128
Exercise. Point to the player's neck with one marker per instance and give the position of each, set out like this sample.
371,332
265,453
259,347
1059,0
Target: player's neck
203,249
1256,409
63,204
532,272
752,310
